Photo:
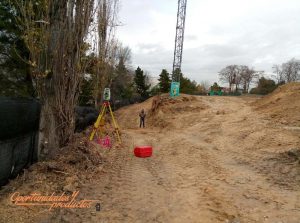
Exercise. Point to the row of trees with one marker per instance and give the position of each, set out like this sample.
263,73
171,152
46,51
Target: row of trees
60,52
186,85
50,37
47,53
130,86
116,76
240,77
287,72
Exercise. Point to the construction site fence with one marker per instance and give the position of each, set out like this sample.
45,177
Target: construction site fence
19,125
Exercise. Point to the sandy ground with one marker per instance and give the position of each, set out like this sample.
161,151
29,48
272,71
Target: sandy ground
212,166
215,159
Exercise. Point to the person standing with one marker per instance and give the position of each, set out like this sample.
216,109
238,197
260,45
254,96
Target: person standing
142,118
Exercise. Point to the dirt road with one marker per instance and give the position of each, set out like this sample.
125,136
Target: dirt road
215,159
219,162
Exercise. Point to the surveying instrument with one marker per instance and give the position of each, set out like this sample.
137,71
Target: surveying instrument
100,122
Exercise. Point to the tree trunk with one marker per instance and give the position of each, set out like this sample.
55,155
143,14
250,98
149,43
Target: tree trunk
48,139
60,91
56,47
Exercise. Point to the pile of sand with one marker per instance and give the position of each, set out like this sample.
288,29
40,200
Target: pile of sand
282,105
164,110
161,111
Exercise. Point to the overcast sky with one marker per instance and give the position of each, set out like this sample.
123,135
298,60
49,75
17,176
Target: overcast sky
257,33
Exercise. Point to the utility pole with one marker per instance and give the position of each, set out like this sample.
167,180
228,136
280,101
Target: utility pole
179,38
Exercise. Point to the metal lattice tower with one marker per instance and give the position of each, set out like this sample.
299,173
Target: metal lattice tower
181,13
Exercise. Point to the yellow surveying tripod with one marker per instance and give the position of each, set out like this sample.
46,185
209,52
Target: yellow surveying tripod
105,105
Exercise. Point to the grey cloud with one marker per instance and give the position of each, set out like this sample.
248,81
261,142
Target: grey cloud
204,63
258,40
148,47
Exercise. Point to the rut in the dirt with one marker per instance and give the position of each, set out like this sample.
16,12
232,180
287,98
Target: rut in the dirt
207,167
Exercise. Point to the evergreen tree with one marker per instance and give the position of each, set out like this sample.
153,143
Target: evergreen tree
264,86
140,82
15,79
177,75
122,83
164,81
215,87
155,90
86,92
186,85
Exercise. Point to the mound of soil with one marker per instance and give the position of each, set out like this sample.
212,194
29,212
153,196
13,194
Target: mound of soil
160,111
164,109
282,105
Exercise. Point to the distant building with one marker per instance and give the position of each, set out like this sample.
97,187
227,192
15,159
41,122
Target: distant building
233,90
225,89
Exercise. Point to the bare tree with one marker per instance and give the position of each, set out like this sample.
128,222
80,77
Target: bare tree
54,33
291,70
107,11
237,78
205,85
229,75
124,54
238,75
247,76
148,78
123,60
287,72
278,73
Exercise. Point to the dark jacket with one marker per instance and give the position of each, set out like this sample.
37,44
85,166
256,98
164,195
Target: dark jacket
142,114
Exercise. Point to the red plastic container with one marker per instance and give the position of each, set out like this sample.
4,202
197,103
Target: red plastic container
143,151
